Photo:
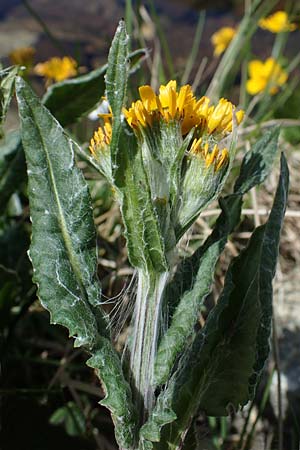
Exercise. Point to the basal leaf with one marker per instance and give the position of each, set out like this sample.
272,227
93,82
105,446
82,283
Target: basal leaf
68,100
63,250
258,162
12,167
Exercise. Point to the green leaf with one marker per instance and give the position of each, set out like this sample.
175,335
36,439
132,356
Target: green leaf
142,230
65,268
258,162
118,397
72,417
63,250
7,80
70,99
267,273
116,83
193,282
230,350
12,167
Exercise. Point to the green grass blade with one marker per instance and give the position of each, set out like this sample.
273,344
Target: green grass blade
195,48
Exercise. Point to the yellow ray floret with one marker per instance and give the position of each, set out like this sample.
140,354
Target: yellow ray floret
277,23
101,138
215,156
182,106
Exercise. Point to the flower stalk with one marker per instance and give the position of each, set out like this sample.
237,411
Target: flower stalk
148,319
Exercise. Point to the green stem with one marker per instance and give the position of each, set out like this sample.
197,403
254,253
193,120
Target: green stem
148,321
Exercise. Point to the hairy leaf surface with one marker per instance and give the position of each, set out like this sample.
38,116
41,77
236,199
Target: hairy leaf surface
63,250
12,167
258,162
193,280
7,81
116,83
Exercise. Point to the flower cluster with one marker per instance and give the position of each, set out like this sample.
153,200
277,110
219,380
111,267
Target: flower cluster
277,23
268,74
210,123
57,69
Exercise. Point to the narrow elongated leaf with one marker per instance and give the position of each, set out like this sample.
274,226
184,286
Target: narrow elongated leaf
193,281
12,167
267,273
7,80
231,348
116,83
70,99
258,162
145,244
63,250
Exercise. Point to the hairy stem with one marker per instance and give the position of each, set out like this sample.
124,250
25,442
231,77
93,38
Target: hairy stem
148,322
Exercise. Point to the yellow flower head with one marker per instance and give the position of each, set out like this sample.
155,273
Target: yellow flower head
210,123
183,107
57,69
22,56
263,74
101,138
221,39
277,23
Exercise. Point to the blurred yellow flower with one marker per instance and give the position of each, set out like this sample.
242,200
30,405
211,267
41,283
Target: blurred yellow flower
263,74
22,56
221,39
277,23
57,69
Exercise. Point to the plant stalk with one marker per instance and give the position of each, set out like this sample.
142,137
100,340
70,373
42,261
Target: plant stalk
148,322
